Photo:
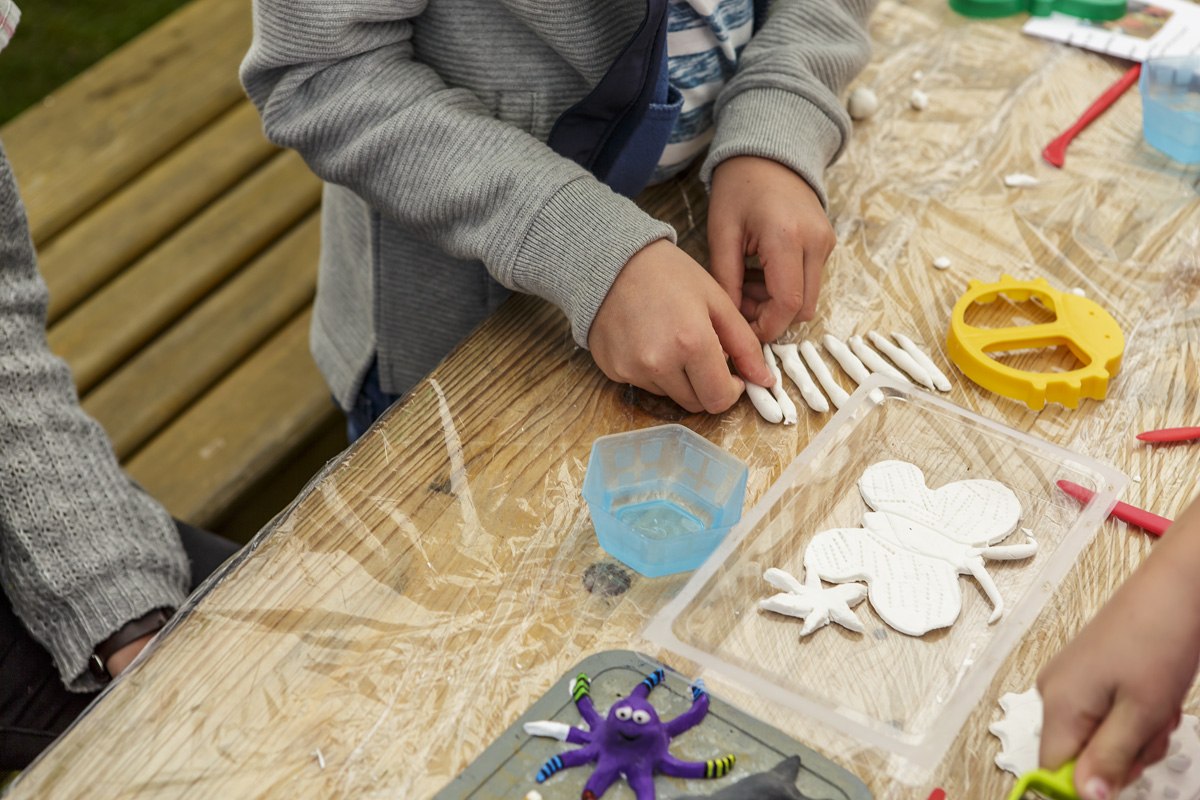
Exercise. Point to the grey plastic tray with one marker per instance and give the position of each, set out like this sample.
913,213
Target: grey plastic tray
506,770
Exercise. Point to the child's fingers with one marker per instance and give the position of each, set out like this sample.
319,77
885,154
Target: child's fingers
1106,761
1152,753
784,274
1065,728
715,387
677,387
739,342
814,268
727,255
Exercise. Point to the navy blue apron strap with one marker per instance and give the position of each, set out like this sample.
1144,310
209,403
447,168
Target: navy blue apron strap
760,13
593,132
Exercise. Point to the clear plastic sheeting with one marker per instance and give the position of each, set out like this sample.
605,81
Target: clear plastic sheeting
441,575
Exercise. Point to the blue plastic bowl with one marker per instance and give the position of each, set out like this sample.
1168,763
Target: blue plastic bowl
662,498
1170,89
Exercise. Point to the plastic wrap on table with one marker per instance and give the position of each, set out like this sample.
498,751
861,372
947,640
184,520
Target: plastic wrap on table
436,579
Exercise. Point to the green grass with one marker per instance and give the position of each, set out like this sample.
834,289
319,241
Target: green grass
58,39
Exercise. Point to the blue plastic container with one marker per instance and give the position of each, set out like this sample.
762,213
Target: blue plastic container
1170,88
662,498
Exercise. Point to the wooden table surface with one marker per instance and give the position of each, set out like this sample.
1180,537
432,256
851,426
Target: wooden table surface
426,588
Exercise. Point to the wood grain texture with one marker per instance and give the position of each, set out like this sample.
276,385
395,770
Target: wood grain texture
431,583
154,386
125,226
244,427
167,281
91,137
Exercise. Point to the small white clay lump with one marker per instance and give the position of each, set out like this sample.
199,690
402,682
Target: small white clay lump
862,103
918,100
1019,180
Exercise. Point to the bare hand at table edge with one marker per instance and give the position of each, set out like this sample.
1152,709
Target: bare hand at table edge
122,658
760,207
1114,694
666,327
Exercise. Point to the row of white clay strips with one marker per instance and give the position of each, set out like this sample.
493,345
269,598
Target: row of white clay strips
858,360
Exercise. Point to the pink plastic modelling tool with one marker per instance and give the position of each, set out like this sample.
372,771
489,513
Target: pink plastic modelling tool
1056,152
1152,523
1170,435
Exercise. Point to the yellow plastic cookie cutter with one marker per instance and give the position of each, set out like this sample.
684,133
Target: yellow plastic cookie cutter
1092,335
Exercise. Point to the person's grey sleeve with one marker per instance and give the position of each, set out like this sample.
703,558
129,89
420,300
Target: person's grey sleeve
336,81
783,102
82,550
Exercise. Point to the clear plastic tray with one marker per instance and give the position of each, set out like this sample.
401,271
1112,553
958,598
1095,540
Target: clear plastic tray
890,694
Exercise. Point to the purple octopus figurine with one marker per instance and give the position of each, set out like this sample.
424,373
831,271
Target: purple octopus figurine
631,741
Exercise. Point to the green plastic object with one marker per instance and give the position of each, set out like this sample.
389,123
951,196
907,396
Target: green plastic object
1056,785
1085,9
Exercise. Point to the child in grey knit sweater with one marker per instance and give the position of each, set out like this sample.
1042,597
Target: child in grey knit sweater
472,147
90,565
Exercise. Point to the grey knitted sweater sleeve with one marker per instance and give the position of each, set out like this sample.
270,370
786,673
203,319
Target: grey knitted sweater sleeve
783,103
338,81
82,550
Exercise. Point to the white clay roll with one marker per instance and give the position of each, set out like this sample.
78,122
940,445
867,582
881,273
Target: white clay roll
921,357
781,396
824,377
902,359
841,354
764,402
789,354
874,361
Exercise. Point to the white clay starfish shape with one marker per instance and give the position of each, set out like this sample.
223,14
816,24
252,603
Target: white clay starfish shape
812,602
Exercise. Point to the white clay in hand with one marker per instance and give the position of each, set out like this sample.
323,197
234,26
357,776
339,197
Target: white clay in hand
764,402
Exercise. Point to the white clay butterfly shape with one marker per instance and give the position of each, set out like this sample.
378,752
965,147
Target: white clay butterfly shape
914,545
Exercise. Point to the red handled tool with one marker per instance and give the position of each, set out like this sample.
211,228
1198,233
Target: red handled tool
1170,435
1151,523
1056,152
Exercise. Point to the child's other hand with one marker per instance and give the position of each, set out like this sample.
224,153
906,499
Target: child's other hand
666,326
760,207
1113,695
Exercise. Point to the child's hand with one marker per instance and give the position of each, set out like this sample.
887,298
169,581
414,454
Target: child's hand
666,326
1113,695
760,207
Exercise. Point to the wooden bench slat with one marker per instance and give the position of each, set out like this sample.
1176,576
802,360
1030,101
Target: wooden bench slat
129,223
93,135
243,428
135,402
117,320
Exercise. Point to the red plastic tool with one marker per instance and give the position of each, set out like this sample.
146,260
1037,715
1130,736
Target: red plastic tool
1170,435
1152,523
1056,152
937,794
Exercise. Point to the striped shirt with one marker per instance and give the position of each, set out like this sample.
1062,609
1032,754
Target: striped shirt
704,40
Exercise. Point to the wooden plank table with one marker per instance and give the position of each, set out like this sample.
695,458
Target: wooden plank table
430,584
